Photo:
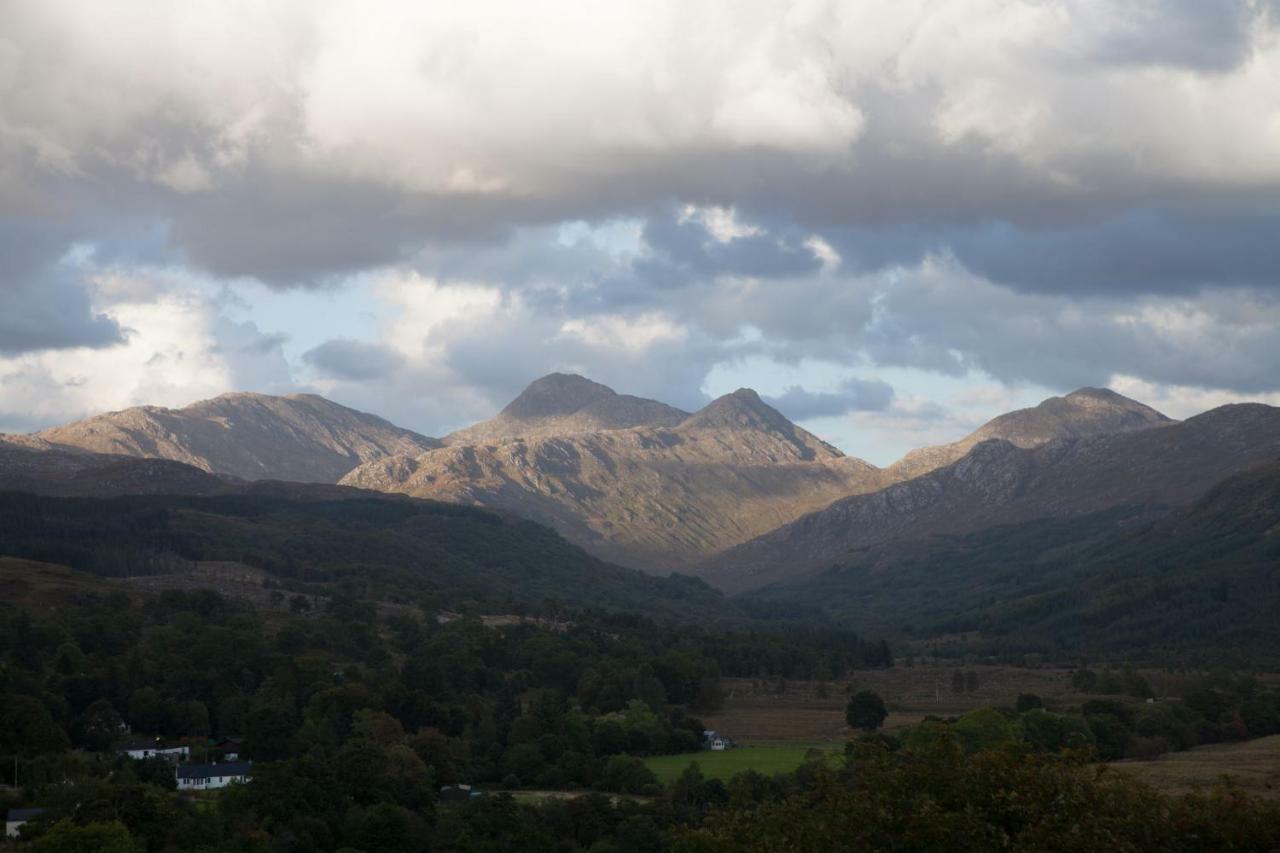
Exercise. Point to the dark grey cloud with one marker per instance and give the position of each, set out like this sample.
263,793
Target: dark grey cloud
52,313
44,303
1176,249
948,321
683,251
854,395
352,360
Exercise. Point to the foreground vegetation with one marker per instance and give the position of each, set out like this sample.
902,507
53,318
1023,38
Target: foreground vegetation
363,682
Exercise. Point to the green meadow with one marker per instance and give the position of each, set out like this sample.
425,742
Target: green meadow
724,765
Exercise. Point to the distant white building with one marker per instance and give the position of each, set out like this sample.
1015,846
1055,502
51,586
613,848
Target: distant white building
206,777
142,748
712,740
14,820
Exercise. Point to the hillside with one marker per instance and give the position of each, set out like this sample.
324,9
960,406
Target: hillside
1000,483
1196,585
251,436
1080,414
652,497
32,465
391,548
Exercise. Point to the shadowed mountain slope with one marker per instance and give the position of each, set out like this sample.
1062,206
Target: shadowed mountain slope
388,547
32,465
1197,584
999,483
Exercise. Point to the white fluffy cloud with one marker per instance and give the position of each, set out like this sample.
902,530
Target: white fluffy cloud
554,104
177,347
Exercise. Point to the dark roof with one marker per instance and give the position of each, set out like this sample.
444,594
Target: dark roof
207,771
24,814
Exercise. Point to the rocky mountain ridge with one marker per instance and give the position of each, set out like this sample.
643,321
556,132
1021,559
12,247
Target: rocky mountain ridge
299,437
658,497
1082,413
997,482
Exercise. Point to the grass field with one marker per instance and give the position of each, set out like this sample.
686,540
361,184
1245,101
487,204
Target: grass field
724,765
1252,765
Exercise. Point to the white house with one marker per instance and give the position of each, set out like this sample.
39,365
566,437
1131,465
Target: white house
140,748
14,820
206,777
713,741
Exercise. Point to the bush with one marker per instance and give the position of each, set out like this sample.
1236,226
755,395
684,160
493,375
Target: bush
1028,702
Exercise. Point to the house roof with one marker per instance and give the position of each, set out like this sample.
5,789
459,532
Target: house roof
141,742
208,771
23,814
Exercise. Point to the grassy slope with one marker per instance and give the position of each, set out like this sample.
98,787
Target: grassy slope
1252,765
31,584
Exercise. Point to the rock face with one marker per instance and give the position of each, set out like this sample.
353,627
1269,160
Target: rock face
565,404
997,482
659,494
298,437
1082,413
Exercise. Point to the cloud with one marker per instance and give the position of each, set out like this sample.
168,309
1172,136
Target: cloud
177,347
1034,193
44,300
942,317
854,395
280,146
351,360
54,313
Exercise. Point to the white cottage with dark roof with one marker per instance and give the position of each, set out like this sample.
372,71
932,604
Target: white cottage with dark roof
206,777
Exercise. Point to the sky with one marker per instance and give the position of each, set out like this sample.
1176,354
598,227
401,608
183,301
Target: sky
893,218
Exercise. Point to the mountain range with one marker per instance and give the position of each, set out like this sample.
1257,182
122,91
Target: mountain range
662,490
734,493
998,482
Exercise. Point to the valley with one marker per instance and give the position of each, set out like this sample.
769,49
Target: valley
554,607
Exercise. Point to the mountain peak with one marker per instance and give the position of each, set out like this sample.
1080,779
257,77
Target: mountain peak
743,410
1082,413
1091,410
567,404
556,394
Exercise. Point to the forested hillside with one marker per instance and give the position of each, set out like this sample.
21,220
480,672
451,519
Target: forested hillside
390,549
1198,586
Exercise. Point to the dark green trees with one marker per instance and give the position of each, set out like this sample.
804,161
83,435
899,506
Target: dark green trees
865,711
